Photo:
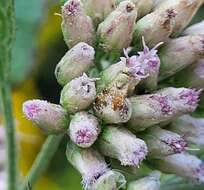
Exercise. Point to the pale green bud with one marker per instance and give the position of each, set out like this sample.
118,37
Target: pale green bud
161,142
155,27
84,129
184,51
184,165
111,106
97,9
115,32
75,62
76,25
162,106
51,118
191,128
123,145
185,9
150,182
78,94
197,28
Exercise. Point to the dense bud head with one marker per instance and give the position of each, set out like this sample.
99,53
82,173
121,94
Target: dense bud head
161,142
184,165
115,32
90,164
76,61
197,28
51,118
184,51
97,9
155,27
76,25
78,94
123,145
112,107
151,182
192,129
84,129
162,106
186,9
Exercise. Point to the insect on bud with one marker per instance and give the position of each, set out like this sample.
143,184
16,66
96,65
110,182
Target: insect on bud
84,129
161,142
115,32
123,145
151,182
186,9
184,50
184,165
76,61
51,118
112,107
192,129
76,25
97,9
78,94
162,106
155,27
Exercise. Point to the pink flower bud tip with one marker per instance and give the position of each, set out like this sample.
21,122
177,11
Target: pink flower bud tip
70,7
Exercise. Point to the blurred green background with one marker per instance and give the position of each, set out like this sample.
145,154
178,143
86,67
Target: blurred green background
38,48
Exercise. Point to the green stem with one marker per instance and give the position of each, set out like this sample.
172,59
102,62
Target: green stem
42,160
7,36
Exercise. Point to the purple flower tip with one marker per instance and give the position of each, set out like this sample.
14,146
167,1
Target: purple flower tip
71,7
178,145
190,96
84,136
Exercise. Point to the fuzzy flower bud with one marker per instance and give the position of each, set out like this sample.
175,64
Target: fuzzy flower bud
155,27
112,107
150,182
123,145
51,118
192,76
184,165
84,129
197,28
76,25
78,94
186,9
179,53
142,7
76,61
161,142
164,105
192,129
115,32
91,166
97,9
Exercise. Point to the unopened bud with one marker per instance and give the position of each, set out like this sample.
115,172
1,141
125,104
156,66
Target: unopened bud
164,105
184,165
151,182
78,94
142,7
192,76
186,9
161,142
84,129
112,107
91,165
155,27
115,32
97,9
75,62
197,28
191,128
123,145
76,25
184,51
51,118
